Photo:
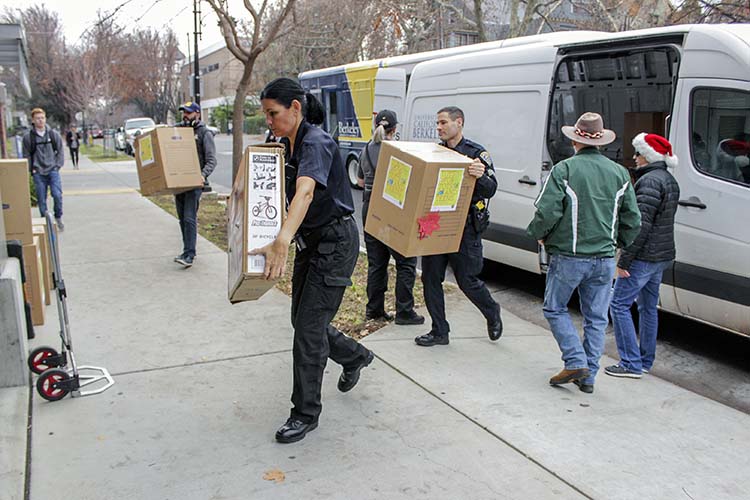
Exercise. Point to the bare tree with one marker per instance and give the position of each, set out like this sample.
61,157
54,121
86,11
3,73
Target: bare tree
711,11
96,68
479,20
47,60
246,40
150,78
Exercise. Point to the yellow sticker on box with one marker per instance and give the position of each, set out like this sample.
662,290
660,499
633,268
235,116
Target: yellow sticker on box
397,181
447,190
145,150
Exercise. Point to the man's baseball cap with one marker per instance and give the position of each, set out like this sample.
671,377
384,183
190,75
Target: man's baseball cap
190,107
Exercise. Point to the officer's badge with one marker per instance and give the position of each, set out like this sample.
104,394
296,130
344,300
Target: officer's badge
484,155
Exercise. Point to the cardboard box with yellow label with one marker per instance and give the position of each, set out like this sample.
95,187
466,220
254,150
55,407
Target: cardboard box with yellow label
256,212
167,160
420,198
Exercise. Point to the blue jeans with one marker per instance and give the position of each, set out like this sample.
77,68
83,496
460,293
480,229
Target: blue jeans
592,276
53,182
187,212
643,284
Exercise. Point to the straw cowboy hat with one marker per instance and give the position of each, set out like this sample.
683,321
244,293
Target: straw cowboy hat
589,129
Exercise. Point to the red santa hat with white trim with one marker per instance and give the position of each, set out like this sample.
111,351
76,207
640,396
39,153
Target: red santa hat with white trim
654,148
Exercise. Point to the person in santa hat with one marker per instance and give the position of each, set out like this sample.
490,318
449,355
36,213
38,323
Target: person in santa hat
733,158
641,265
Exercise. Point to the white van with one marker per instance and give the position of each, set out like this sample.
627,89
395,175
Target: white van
690,83
352,94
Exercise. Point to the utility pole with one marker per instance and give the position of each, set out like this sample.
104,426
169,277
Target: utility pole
196,70
189,59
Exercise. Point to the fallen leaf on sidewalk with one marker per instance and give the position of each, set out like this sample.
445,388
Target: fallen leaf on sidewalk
274,475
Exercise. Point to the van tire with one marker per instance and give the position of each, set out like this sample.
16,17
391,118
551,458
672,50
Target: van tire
352,166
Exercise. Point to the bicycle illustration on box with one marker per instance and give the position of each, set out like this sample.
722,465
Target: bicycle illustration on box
265,207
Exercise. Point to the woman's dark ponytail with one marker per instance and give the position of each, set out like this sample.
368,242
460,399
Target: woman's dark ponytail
286,90
314,114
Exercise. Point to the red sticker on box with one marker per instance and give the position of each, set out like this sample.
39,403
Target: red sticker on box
428,224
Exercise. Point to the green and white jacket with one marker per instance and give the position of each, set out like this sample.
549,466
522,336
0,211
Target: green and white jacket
586,208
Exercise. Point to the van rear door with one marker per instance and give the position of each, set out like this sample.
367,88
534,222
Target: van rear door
390,92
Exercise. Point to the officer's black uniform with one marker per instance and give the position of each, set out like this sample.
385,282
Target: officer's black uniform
467,262
327,250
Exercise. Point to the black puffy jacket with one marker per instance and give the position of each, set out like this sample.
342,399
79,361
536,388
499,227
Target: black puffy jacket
657,193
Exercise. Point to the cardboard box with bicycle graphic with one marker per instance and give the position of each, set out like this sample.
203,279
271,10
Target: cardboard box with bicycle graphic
256,210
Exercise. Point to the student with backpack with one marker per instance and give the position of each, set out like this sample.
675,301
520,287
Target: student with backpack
44,149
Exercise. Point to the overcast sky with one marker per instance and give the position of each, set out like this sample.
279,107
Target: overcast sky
77,16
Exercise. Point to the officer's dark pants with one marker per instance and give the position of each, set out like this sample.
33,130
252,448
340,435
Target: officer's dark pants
187,212
467,264
321,273
378,255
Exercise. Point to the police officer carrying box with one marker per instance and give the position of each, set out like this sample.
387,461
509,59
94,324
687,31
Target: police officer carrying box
320,222
187,202
467,262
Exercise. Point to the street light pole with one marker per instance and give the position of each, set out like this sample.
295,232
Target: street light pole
196,69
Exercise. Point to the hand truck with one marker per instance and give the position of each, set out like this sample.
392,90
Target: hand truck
56,378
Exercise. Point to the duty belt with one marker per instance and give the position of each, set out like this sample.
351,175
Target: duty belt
311,237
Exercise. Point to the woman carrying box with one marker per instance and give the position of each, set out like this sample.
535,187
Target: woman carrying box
378,253
320,222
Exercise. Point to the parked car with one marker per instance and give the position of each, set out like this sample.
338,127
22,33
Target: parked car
212,129
133,128
120,142
96,132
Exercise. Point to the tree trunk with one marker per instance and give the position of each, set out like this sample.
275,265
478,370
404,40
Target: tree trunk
238,116
480,20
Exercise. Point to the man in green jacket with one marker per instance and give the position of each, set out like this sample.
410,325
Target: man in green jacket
584,212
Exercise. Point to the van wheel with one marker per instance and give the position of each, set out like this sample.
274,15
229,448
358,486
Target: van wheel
352,166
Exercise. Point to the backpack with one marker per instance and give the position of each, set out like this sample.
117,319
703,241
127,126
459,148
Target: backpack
33,142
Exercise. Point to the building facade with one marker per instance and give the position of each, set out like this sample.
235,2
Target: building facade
220,73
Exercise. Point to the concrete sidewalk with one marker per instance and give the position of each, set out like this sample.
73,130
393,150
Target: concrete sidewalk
201,387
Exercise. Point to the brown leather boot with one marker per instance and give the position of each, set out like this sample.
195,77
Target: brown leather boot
568,376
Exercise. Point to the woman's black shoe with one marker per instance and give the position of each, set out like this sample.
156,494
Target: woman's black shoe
294,430
350,377
410,319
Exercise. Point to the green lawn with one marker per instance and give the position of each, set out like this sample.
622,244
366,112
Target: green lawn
97,153
212,225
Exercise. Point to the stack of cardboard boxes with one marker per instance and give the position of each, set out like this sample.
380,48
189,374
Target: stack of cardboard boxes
167,161
14,182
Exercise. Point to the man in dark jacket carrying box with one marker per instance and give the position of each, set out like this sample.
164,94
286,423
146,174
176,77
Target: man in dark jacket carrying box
187,202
